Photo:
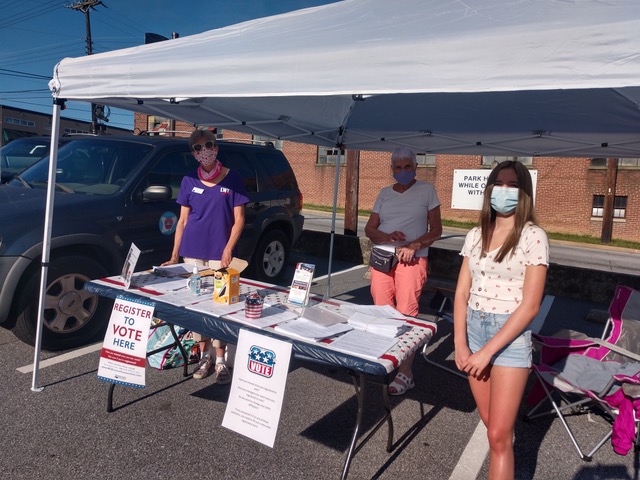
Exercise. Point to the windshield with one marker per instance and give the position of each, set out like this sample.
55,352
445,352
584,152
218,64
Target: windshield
89,166
17,155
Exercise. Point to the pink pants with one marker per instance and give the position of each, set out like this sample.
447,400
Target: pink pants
401,288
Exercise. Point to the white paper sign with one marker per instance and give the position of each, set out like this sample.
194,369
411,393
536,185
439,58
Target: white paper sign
124,351
259,380
468,188
130,265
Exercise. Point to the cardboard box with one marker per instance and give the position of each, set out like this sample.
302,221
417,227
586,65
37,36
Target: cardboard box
226,286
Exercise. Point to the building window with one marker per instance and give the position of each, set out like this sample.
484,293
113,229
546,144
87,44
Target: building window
265,140
19,121
425,159
493,160
622,163
328,156
619,207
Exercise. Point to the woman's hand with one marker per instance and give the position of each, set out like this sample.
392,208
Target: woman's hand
461,355
477,363
396,236
227,256
173,261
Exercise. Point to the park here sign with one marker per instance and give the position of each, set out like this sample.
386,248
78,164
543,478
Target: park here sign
468,188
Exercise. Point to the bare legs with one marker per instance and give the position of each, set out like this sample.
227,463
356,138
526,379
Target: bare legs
498,396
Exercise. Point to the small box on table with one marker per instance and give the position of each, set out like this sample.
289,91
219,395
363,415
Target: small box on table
226,286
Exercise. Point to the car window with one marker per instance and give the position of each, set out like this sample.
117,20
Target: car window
241,163
277,169
97,167
169,171
19,154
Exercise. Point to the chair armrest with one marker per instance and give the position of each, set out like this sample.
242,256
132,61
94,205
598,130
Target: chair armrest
619,350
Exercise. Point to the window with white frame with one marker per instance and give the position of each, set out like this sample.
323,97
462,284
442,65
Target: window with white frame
265,140
426,159
631,162
493,160
619,206
328,156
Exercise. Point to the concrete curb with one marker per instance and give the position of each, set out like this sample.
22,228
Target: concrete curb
562,281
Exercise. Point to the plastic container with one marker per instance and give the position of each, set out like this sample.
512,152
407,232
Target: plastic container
195,282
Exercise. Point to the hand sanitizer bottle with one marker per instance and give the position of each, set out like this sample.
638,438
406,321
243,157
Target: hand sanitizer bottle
195,282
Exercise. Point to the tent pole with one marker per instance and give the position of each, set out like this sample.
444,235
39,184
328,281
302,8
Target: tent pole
46,240
333,217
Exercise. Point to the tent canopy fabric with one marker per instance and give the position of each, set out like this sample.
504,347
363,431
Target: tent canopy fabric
484,77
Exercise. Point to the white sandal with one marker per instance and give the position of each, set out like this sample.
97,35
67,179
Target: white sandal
401,388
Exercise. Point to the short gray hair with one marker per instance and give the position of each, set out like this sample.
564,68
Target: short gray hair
403,153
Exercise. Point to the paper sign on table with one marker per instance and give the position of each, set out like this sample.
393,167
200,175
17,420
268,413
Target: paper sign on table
257,390
301,285
130,265
124,351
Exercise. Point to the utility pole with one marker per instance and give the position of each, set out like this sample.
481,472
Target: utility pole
84,6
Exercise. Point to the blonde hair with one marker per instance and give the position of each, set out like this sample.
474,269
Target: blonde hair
206,135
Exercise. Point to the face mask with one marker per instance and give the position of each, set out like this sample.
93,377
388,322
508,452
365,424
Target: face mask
404,178
206,157
504,199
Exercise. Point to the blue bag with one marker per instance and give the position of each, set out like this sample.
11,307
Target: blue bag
160,336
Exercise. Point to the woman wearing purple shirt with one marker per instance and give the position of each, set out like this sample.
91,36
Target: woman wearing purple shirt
211,220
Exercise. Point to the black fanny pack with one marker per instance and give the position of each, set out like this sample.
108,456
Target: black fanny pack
383,260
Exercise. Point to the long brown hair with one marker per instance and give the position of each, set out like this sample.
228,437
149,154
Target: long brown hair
524,209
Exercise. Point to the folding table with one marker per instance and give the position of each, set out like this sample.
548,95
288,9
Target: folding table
361,369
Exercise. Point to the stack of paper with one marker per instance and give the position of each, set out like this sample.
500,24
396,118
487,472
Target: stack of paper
363,344
309,330
386,327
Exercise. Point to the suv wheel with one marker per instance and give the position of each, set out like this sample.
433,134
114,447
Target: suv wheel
72,316
271,256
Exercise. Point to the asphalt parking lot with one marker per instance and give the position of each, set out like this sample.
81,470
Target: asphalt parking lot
172,428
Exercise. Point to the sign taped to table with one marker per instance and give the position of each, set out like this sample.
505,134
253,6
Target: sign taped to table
123,359
257,391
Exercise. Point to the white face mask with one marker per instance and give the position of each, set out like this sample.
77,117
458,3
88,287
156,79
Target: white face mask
504,199
206,157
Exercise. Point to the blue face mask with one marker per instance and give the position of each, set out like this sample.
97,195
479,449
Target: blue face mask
504,199
404,178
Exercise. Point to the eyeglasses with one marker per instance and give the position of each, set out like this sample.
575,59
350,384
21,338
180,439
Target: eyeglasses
198,146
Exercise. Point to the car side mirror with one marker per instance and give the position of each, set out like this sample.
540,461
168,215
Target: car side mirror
157,193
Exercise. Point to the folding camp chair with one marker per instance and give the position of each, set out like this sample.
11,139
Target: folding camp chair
578,375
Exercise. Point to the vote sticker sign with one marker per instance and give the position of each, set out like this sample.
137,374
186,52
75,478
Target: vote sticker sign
124,351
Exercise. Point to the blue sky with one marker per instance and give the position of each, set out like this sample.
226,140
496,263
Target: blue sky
37,34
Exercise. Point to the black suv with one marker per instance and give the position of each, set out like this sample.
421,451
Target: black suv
110,192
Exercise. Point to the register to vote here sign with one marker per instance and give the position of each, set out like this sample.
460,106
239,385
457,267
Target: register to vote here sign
124,351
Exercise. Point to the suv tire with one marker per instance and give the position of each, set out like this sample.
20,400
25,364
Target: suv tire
72,316
271,256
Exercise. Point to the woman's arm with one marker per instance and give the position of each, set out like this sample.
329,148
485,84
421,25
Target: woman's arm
182,222
236,231
461,299
407,252
377,236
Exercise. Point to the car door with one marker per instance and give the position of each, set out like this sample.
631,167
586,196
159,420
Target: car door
152,224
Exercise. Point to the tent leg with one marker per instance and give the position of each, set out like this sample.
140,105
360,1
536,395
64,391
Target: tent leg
46,241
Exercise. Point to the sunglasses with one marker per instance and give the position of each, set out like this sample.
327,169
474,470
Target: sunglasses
198,146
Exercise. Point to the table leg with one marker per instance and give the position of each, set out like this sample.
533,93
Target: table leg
359,381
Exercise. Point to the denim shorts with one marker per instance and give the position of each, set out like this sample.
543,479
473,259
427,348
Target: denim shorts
482,327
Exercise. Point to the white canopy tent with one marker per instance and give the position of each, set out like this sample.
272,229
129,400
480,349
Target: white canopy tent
484,77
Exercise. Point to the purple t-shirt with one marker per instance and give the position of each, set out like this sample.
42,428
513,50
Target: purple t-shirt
211,218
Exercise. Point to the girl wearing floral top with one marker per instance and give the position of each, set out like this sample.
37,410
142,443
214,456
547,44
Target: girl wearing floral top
499,290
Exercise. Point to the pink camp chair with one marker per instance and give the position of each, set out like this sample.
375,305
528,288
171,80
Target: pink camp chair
578,374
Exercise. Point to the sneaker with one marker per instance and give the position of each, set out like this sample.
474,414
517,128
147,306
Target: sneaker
204,369
221,375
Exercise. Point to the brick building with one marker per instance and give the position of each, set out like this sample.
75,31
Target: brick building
18,123
569,194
